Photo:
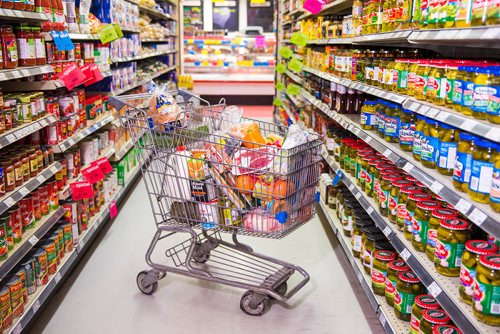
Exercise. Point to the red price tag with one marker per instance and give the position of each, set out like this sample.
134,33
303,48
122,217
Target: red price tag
260,42
72,76
81,190
96,75
313,6
103,164
93,174
113,210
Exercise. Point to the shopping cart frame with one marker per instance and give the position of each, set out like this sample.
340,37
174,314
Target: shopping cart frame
206,255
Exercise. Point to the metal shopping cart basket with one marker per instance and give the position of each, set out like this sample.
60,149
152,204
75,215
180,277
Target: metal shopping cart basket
199,178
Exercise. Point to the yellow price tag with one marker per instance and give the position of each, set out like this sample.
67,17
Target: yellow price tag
280,86
277,102
293,89
257,1
299,39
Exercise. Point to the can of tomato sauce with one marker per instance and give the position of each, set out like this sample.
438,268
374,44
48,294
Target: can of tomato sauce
53,195
55,238
26,205
44,199
16,296
60,235
3,239
29,269
50,248
59,179
67,237
9,237
22,275
5,307
70,214
17,223
41,271
37,212
83,215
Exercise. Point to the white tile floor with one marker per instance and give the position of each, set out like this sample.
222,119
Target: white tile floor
101,295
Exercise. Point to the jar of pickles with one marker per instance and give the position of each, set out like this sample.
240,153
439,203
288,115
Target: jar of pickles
368,115
379,270
480,179
421,76
431,319
482,92
420,226
474,249
364,170
357,235
430,144
450,244
401,211
394,268
422,303
463,161
411,206
385,193
446,329
382,168
418,137
392,201
448,144
368,249
495,182
347,218
362,156
493,109
487,289
434,222
344,151
408,287
353,155
392,123
370,176
406,130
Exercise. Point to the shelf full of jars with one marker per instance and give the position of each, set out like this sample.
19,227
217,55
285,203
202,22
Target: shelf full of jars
51,129
413,134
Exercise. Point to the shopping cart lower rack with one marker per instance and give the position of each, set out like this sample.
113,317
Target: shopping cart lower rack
208,170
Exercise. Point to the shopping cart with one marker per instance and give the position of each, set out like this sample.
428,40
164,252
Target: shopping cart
200,178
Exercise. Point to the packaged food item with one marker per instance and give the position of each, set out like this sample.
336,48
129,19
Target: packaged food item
407,129
483,92
450,244
422,303
413,199
381,258
447,149
418,137
420,226
432,319
486,289
16,296
430,144
401,211
481,175
393,198
434,223
407,288
394,268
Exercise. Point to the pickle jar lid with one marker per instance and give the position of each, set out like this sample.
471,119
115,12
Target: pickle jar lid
408,277
398,266
491,261
365,152
369,156
445,213
420,184
427,302
411,178
410,189
384,165
384,255
401,183
456,224
371,230
419,196
383,245
391,177
438,317
374,161
481,247
428,205
446,329
375,237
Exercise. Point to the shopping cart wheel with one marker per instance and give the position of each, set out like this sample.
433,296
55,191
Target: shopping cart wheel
281,289
254,304
144,283
198,255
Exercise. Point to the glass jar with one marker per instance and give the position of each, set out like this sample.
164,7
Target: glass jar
353,155
418,137
343,149
9,175
347,218
422,303
385,193
26,46
379,270
447,147
446,329
364,169
407,130
470,259
392,205
436,85
482,92
412,76
450,244
340,204
408,287
401,211
362,155
370,177
382,107
493,109
467,90
368,115
368,249
431,319
392,123
495,182
463,161
382,168
332,197
411,207
18,170
486,289
400,76
482,166
451,76
357,235
33,163
40,56
430,143
420,226
330,142
394,268
421,77
26,166
434,223
9,47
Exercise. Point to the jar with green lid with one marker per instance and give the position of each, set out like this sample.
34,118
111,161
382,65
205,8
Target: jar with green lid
411,207
493,109
434,222
420,226
401,211
357,235
381,110
408,287
446,329
385,191
392,123
368,249
379,269
368,115
487,290
474,249
422,303
495,182
418,137
463,161
450,244
362,155
431,319
406,129
482,167
364,169
370,177
482,92
394,268
430,142
392,201
447,149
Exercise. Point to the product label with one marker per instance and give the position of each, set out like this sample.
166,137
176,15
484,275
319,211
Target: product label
347,222
367,258
415,325
369,74
468,94
429,148
403,302
393,77
467,276
402,79
478,11
393,204
495,186
420,83
417,142
433,11
406,133
31,48
419,232
463,166
458,92
369,181
22,44
494,102
486,298
378,278
40,48
431,238
381,123
390,287
433,85
384,198
330,144
482,97
356,245
376,188
410,222
447,254
11,47
403,214
481,176
392,126
447,154
368,119
377,74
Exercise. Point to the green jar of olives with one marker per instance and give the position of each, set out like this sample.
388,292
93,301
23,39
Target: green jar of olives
448,144
431,319
385,190
401,210
369,248
392,201
450,244
420,226
394,268
407,288
422,303
487,290
470,258
357,235
411,206
379,270
434,223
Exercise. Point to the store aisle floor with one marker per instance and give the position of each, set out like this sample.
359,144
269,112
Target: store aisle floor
101,295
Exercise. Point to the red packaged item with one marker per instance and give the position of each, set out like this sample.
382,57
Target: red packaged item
247,161
44,199
26,206
70,211
37,212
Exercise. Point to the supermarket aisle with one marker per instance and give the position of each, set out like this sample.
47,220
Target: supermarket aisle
101,295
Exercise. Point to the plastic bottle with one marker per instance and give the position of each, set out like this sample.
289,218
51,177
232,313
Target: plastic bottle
179,184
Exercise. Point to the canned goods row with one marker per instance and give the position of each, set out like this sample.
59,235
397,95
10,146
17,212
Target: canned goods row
21,108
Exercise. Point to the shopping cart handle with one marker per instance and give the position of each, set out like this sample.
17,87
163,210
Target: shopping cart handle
281,217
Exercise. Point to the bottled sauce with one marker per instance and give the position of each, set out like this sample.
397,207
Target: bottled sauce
430,143
9,47
420,226
407,288
463,162
392,123
26,46
487,283
368,115
379,270
434,223
411,206
482,92
394,268
422,303
447,149
450,244
431,319
41,58
481,171
406,130
418,137
19,5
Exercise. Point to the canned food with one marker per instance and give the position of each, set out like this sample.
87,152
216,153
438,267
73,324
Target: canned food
3,239
60,235
5,307
22,275
26,205
17,224
53,190
29,269
50,249
55,238
44,199
67,237
83,215
16,296
70,214
41,270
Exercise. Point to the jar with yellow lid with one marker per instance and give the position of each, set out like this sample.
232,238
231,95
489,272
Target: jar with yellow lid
430,143
362,155
370,177
450,244
446,329
480,181
493,109
463,161
364,169
394,268
368,115
406,129
482,92
487,289
434,222
431,319
470,259
392,122
357,235
411,207
418,137
369,248
420,226
421,76
436,85
379,270
392,201
422,303
408,287
386,186
400,77
447,148
401,210
412,76
495,182
387,81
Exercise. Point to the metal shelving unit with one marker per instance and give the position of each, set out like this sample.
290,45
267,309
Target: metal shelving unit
143,56
13,135
143,81
289,113
23,72
22,16
294,77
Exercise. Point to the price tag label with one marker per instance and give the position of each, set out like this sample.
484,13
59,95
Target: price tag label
95,73
424,109
44,122
434,289
280,68
286,52
113,210
368,139
103,164
81,190
299,39
3,77
110,33
53,169
25,73
432,113
33,240
387,153
358,195
36,305
16,74
463,206
56,38
467,125
93,174
57,277
351,187
382,319
313,6
387,231
436,187
405,254
493,134
477,216
369,210
360,276
9,201
277,102
72,76
408,167
18,329
40,179
10,138
293,89
442,116
280,86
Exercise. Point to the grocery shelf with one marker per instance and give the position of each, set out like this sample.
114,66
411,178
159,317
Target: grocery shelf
289,113
22,16
293,98
444,289
143,81
11,198
13,135
385,313
294,76
28,86
480,214
23,72
66,144
143,56
385,37
334,7
147,40
153,12
296,12
327,41
30,239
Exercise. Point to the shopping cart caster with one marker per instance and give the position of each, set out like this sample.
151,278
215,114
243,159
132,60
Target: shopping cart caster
254,304
199,254
147,282
281,289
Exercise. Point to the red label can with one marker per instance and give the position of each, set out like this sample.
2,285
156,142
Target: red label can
37,212
26,206
44,199
53,192
17,223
